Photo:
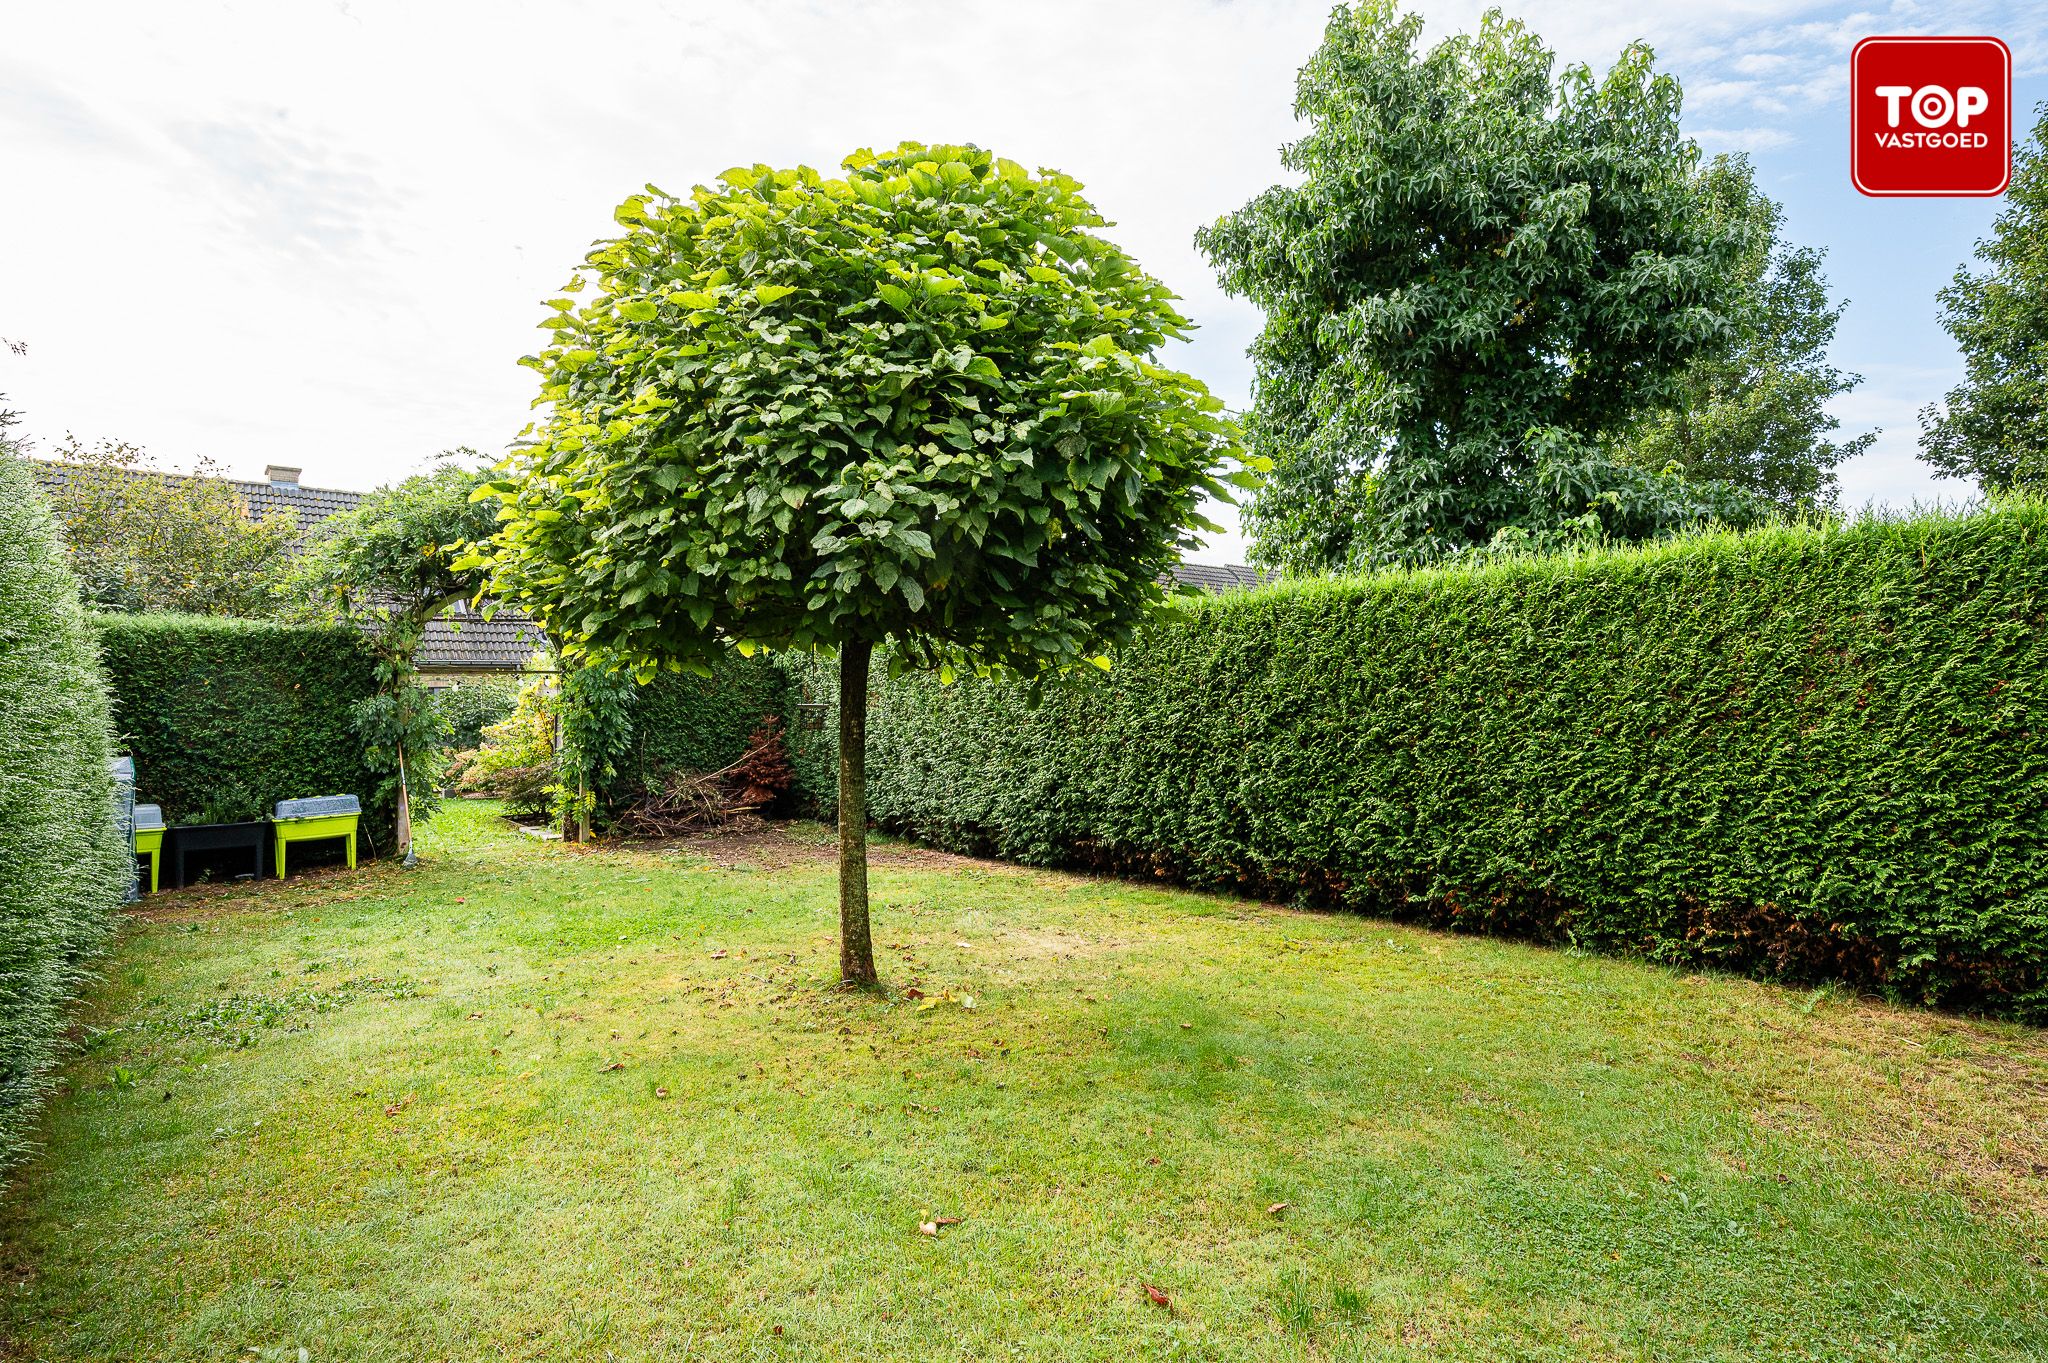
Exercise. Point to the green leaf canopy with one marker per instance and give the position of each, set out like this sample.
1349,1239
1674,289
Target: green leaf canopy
917,402
1484,269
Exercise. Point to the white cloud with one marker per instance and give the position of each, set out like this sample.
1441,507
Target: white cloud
1742,139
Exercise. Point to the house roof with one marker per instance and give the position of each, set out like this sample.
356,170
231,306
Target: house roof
1221,577
459,642
308,505
470,643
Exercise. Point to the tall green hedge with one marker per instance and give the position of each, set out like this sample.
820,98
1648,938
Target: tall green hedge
63,867
227,717
684,722
1809,753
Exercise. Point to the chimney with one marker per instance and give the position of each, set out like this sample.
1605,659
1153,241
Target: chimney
280,475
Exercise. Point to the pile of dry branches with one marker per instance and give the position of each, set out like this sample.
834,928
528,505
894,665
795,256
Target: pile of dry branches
693,802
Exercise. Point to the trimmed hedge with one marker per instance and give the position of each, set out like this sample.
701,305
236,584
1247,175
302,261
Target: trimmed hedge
690,723
63,868
1808,753
227,717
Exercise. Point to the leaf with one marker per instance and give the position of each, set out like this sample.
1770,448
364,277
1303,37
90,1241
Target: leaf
1279,1207
1043,276
895,297
771,293
1159,1299
640,310
912,592
694,300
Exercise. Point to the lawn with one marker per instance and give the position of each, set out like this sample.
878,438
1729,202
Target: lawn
532,1101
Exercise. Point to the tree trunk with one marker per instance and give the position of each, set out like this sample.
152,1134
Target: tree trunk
404,833
856,949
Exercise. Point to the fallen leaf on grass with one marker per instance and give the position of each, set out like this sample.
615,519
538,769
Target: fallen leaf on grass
615,1065
718,955
937,1223
1159,1299
474,1016
1279,1207
661,1093
393,1109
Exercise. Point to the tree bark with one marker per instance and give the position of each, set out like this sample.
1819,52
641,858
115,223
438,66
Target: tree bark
856,949
404,831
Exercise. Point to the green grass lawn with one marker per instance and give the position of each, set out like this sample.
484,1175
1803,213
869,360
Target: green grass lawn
540,1102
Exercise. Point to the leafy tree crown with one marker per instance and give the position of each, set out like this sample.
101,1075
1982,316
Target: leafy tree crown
1994,427
390,561
1752,411
1482,271
916,402
142,539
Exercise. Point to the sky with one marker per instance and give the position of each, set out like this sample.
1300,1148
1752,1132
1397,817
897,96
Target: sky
319,234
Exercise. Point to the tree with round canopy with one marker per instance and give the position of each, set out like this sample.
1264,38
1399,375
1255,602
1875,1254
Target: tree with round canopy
915,405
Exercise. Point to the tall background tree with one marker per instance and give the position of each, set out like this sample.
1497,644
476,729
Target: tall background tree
142,539
916,404
1483,274
1994,427
388,565
1751,411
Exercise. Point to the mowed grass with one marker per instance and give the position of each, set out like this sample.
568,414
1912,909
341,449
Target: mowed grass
540,1102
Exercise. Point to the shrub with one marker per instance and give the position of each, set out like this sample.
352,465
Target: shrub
1806,752
516,762
226,717
63,867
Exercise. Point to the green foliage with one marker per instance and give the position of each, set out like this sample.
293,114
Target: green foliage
231,716
388,565
144,540
914,402
1811,752
63,868
619,737
472,703
596,706
1482,274
517,759
1752,412
401,726
1995,428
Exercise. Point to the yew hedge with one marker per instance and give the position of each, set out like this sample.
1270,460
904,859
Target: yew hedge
1804,752
226,717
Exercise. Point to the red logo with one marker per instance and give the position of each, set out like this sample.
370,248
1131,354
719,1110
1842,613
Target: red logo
1930,117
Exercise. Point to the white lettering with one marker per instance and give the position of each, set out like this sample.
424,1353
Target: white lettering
1891,95
1970,101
